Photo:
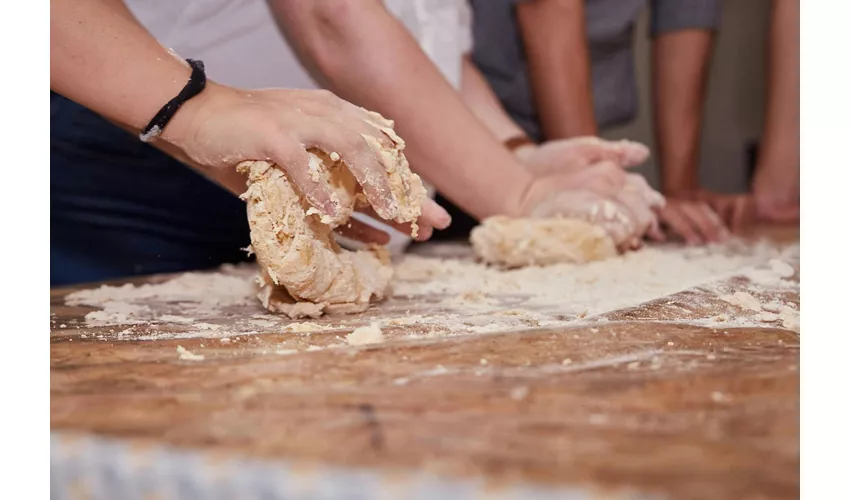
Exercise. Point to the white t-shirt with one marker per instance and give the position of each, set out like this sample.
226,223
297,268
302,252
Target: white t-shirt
241,45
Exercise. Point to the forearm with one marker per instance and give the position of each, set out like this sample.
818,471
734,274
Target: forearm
555,39
479,97
365,55
680,63
103,59
781,142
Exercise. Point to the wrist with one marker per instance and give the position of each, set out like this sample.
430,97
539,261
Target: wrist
182,128
521,146
524,189
680,187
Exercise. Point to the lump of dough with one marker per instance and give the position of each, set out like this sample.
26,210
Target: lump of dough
303,271
510,242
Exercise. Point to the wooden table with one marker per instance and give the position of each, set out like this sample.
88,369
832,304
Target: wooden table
657,407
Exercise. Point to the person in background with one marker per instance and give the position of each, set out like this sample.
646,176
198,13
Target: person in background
565,69
121,207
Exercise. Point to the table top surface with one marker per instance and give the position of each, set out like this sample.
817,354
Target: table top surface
651,396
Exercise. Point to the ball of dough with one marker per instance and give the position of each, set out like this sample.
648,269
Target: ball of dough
303,271
510,242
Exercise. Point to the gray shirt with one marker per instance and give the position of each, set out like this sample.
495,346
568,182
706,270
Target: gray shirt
498,52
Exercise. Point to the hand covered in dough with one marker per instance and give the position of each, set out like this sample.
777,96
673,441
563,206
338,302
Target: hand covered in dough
602,194
224,126
572,155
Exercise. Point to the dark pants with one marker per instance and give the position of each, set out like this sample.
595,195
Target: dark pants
119,207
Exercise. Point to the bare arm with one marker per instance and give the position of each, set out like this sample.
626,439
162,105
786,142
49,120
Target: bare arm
360,51
555,39
679,64
478,95
782,124
777,182
102,58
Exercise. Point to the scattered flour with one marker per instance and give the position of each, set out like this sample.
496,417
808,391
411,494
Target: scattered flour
743,300
467,297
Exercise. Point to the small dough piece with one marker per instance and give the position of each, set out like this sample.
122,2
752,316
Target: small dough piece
510,242
365,335
303,271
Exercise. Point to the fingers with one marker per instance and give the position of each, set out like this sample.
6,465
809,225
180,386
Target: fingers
593,149
655,233
295,161
361,153
587,150
361,231
604,178
632,153
736,211
653,198
695,222
708,223
642,215
433,216
681,225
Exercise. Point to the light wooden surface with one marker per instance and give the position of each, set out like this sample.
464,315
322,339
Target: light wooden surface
644,400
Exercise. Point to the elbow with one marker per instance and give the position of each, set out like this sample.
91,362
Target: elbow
326,32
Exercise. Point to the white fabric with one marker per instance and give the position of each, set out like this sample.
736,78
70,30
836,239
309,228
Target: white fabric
241,45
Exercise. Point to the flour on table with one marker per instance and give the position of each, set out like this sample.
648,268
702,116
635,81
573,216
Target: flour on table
455,295
743,300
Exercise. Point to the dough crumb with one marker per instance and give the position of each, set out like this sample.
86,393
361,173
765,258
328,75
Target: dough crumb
365,335
782,269
187,355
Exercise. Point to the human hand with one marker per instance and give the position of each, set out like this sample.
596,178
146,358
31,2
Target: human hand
627,213
737,211
693,220
776,190
571,155
223,126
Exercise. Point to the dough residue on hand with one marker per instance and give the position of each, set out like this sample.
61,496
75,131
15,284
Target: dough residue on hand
303,271
511,242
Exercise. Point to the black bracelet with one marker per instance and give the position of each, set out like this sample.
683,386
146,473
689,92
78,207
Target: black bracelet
197,82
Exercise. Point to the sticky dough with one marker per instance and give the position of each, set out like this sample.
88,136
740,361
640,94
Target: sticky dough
510,242
303,271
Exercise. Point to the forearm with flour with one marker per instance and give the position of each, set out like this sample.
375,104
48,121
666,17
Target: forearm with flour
361,52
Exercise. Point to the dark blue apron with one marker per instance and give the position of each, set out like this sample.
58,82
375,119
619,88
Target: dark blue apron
119,207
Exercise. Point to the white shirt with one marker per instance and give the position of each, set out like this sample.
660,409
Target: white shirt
241,45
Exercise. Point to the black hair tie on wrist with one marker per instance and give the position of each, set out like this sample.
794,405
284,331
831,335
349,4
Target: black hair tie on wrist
197,82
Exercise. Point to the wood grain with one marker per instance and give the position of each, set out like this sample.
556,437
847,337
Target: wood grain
642,400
